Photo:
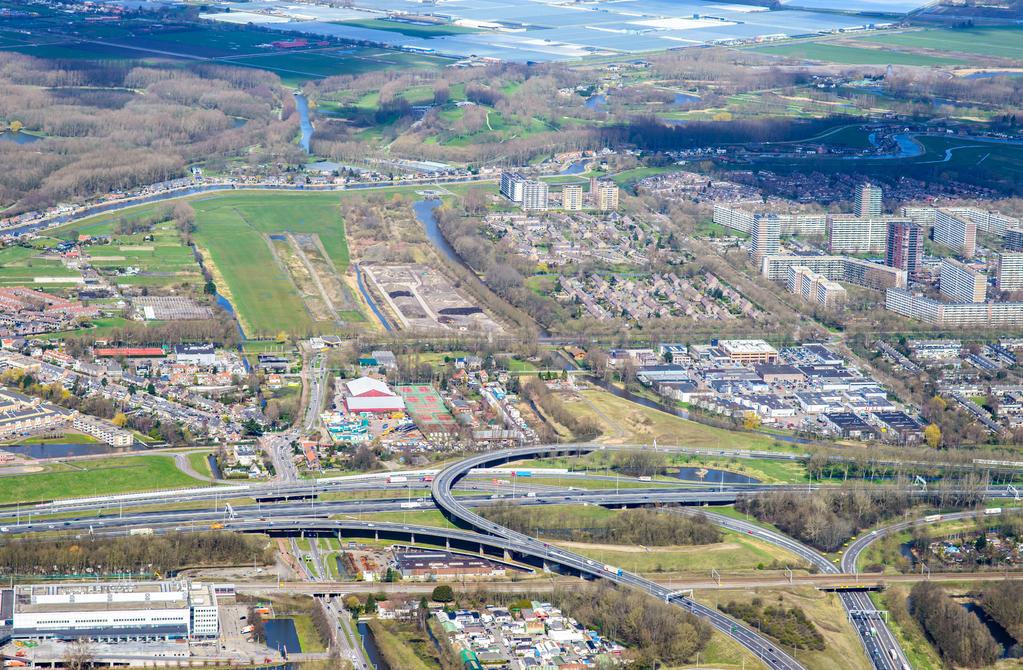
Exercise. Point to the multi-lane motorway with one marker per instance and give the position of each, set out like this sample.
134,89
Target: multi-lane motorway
291,506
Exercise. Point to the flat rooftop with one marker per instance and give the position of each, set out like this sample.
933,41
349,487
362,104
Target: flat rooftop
110,596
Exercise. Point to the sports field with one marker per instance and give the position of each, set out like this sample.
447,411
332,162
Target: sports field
426,407
999,41
836,53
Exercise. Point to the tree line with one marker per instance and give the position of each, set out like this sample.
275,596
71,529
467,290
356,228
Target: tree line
165,554
959,635
627,527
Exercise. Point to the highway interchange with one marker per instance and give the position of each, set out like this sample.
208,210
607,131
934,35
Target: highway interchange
293,507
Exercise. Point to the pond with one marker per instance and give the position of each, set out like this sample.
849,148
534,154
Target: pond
281,636
596,101
686,98
578,167
18,138
65,450
714,476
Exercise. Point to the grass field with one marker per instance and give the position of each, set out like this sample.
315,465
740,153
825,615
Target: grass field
842,645
200,463
997,41
836,53
737,552
233,231
624,422
95,477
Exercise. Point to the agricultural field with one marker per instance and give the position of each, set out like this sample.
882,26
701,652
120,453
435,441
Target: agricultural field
160,261
103,476
995,41
263,249
850,55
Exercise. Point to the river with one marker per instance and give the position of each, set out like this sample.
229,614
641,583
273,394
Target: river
370,645
424,211
302,103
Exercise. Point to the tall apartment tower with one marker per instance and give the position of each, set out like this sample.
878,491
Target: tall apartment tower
764,237
1014,239
962,283
868,201
955,232
904,246
572,198
606,197
1010,271
534,195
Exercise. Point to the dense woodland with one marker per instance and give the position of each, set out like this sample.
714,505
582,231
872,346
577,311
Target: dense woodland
115,125
152,553
825,518
628,527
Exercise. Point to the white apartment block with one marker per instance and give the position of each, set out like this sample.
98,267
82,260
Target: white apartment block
957,233
102,431
1009,276
922,216
837,268
961,283
734,218
954,314
534,196
857,235
986,220
815,287
512,184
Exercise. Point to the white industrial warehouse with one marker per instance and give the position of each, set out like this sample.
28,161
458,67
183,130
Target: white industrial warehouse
114,611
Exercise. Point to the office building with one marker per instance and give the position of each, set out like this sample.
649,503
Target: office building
572,198
1009,276
195,354
765,238
955,232
114,611
512,184
904,247
606,197
534,196
954,314
815,287
868,201
748,351
1013,239
837,268
858,235
961,283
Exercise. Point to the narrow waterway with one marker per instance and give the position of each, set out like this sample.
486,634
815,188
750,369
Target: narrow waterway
302,104
370,645
425,215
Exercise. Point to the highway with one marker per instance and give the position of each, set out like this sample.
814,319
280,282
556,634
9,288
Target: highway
443,497
879,642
